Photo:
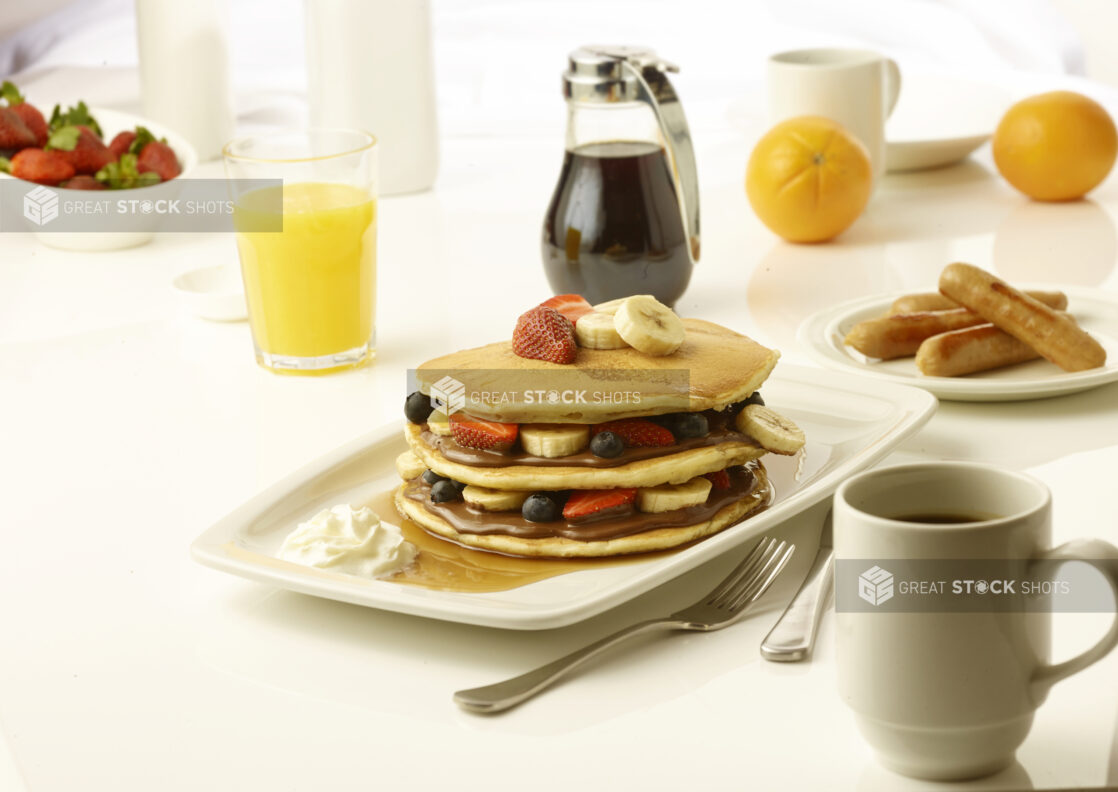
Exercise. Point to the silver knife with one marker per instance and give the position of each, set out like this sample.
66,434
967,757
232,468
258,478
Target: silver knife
793,636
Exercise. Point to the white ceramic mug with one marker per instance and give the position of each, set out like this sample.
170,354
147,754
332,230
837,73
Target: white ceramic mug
856,88
947,694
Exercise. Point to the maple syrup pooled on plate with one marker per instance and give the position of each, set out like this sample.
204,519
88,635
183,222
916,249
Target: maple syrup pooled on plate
614,226
443,565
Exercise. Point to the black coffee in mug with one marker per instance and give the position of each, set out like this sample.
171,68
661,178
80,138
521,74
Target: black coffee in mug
949,518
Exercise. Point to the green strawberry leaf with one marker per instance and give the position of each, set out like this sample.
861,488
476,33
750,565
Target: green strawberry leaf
5,165
64,138
76,115
124,175
10,93
143,137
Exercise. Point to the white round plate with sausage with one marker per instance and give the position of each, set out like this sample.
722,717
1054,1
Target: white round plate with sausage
1096,311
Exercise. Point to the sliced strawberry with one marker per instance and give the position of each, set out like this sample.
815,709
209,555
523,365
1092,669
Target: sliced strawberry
544,334
482,435
571,306
719,480
583,503
637,432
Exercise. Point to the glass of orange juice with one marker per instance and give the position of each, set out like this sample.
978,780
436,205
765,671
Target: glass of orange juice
308,246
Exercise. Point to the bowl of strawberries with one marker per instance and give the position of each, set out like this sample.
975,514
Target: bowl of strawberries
90,149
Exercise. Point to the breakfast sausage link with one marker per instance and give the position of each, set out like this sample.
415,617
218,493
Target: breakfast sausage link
900,336
972,349
934,301
1055,336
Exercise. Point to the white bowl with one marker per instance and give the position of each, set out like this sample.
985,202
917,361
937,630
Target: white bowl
112,122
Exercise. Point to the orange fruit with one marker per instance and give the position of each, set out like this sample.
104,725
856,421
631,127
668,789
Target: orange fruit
808,179
1055,146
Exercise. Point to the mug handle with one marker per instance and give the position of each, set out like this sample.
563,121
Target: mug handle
892,85
1106,557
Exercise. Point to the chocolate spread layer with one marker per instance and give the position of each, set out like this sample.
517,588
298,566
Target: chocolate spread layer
749,481
721,431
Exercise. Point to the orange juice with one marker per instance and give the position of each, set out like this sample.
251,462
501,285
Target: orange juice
311,288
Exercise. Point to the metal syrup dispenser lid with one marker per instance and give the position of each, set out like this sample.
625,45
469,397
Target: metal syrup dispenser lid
636,74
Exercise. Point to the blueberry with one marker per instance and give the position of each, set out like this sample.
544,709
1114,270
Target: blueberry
458,485
433,478
417,407
539,508
442,491
606,445
737,407
686,425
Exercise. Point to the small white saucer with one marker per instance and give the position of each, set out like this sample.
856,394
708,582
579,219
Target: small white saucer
939,120
215,293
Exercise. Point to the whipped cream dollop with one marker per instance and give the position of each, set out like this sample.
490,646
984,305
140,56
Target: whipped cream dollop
347,540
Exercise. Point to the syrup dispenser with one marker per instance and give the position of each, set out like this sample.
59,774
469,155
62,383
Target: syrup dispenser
624,218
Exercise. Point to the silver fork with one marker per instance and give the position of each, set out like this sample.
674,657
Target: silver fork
724,605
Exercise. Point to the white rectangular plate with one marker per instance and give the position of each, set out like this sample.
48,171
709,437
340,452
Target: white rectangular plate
850,423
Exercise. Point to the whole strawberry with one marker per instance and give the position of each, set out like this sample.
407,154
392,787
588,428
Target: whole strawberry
83,182
545,334
27,112
121,143
81,147
41,167
14,134
158,157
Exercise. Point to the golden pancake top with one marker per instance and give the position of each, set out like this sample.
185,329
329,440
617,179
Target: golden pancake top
712,369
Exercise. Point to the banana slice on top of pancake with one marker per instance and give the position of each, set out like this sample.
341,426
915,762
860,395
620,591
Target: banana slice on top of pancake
649,326
596,330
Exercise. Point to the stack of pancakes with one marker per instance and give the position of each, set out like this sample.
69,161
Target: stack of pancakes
723,373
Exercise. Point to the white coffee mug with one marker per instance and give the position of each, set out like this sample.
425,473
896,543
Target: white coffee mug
856,88
940,693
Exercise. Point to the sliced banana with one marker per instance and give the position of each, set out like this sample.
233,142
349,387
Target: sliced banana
668,497
494,500
409,466
596,331
554,440
612,306
648,325
772,430
438,423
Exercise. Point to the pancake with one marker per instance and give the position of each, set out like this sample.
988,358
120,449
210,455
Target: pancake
563,547
672,468
713,368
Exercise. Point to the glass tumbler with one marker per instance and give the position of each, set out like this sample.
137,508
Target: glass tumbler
310,280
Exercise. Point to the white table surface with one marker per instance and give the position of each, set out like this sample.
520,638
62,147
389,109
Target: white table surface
128,427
